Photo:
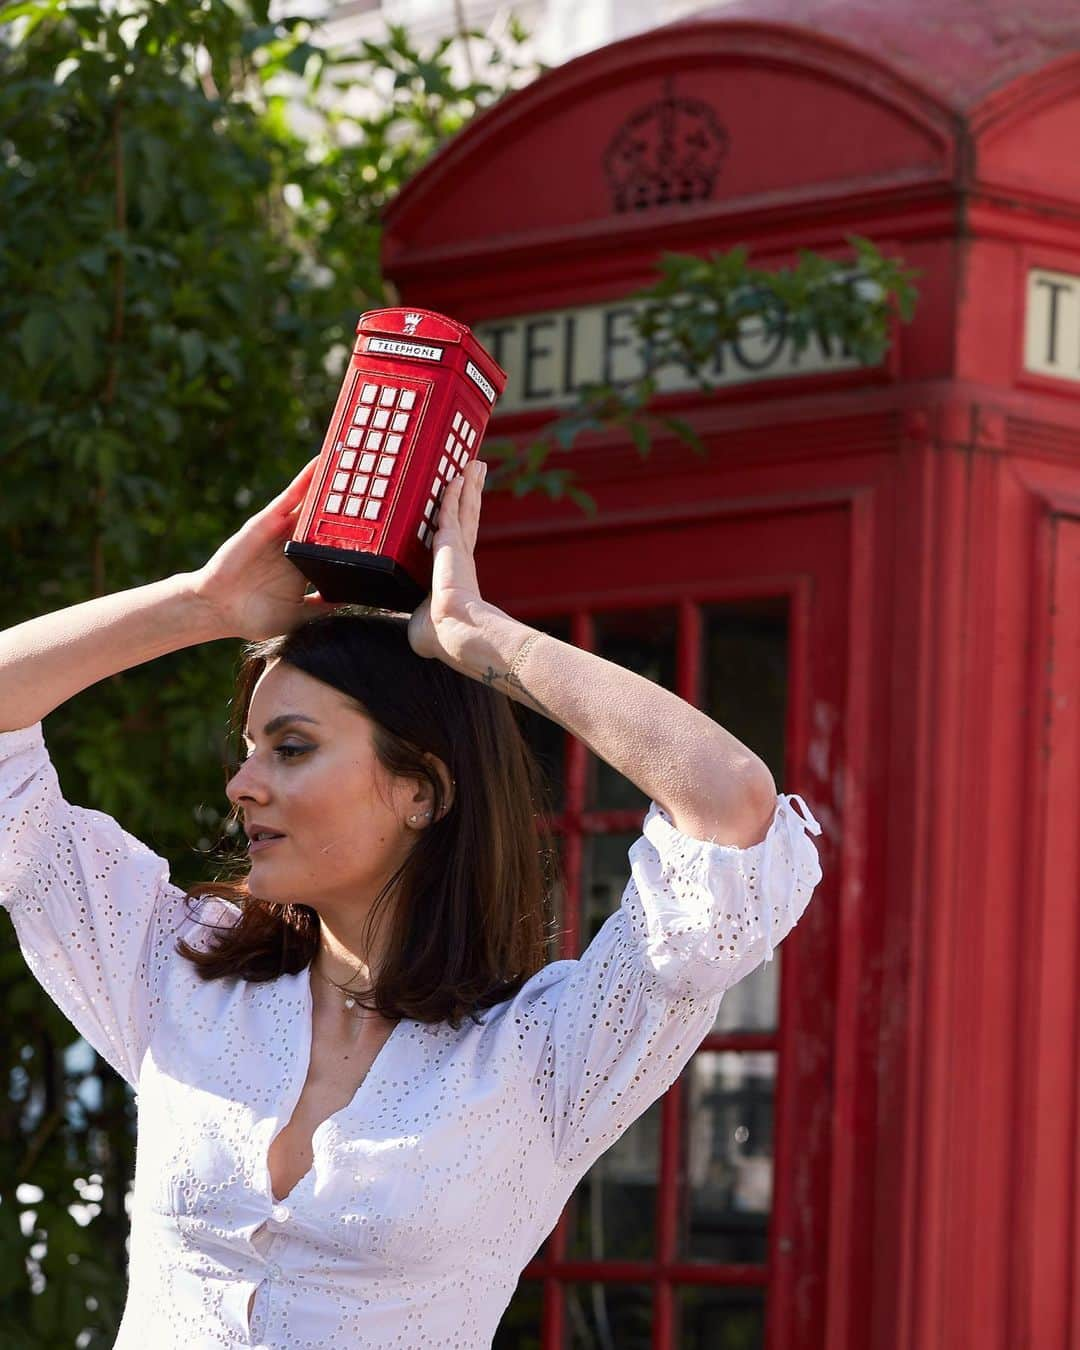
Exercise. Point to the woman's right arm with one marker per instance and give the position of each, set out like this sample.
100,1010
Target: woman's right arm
46,661
248,589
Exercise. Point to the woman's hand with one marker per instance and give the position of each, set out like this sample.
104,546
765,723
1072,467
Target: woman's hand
445,621
253,589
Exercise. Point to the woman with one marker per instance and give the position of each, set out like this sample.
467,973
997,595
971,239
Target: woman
330,1152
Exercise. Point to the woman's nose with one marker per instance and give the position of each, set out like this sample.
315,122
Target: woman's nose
244,784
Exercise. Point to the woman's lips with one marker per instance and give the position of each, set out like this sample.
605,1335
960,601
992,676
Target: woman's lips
256,845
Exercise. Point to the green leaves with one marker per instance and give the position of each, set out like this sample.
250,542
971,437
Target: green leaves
168,311
37,337
696,306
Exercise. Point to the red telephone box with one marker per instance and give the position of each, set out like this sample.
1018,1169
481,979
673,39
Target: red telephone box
411,413
872,579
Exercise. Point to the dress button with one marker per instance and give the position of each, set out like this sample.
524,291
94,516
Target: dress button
274,1272
280,1213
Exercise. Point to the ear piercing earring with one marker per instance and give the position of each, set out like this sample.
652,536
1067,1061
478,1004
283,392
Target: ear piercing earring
420,815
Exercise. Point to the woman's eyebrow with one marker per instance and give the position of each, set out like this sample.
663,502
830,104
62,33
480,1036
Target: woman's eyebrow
283,719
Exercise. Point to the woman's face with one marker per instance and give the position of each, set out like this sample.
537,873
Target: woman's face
313,777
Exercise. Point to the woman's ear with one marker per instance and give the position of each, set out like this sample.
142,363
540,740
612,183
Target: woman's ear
449,787
421,810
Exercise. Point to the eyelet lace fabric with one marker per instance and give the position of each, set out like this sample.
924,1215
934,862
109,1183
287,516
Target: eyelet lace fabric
434,1187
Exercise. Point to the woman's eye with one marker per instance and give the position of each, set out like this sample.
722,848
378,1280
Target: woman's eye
290,751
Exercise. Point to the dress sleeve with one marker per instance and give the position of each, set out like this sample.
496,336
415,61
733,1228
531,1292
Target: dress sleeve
94,912
695,918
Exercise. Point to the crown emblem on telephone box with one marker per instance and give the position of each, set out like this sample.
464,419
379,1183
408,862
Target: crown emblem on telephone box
670,151
410,416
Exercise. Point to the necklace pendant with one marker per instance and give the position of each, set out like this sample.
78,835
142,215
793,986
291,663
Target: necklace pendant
350,1003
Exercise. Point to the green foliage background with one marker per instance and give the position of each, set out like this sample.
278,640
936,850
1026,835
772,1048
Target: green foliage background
180,278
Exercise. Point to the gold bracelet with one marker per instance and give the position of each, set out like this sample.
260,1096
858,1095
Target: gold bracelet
523,651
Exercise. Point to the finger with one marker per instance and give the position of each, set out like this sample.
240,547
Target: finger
472,500
450,506
468,503
294,494
315,602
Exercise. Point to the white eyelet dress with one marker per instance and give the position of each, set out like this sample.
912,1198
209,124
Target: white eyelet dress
438,1182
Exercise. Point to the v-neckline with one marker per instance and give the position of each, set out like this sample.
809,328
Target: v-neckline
283,1119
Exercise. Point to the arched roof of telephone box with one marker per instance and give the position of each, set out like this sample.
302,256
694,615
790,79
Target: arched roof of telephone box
962,50
797,108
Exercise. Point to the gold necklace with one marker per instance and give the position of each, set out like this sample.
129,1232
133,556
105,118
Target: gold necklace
350,1001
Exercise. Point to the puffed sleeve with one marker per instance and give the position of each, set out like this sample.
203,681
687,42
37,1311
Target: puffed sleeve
623,1021
94,912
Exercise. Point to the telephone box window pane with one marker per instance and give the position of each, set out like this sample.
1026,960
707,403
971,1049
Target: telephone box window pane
605,870
381,419
546,739
712,1317
401,421
378,488
360,417
367,463
374,440
519,1328
726,1134
613,1316
341,482
612,1213
388,395
407,399
642,640
371,510
392,444
354,437
348,459
752,1004
352,506
386,464
333,503
745,674
367,394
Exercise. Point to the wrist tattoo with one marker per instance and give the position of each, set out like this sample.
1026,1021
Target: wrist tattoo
513,682
511,677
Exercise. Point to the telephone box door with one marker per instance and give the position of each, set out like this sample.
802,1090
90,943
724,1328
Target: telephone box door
708,1223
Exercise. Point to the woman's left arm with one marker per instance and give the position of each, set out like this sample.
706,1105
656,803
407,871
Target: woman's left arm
711,785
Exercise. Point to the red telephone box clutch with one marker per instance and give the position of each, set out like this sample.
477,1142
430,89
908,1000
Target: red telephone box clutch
411,414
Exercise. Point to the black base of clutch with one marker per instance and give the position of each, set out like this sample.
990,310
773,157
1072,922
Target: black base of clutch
345,577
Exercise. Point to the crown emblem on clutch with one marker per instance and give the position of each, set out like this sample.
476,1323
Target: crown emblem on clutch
412,323
670,151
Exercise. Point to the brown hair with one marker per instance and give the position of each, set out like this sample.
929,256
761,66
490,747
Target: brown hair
475,897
